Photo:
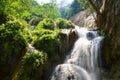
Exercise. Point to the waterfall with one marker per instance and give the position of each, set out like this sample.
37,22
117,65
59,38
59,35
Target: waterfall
82,62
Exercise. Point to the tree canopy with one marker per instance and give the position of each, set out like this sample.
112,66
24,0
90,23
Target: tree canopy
28,8
71,9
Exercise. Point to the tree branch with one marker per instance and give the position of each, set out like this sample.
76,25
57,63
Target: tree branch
94,7
105,6
97,4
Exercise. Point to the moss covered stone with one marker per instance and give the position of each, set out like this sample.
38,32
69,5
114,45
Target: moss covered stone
63,23
32,64
12,46
46,23
47,40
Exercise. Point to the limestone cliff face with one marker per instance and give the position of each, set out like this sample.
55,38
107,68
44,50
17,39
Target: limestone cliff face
90,22
84,20
79,18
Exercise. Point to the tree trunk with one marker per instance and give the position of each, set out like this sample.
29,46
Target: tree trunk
109,21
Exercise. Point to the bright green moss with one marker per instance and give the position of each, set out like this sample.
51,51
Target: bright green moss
63,23
35,59
47,40
32,63
12,41
46,23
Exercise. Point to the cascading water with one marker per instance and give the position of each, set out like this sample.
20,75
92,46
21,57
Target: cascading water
82,63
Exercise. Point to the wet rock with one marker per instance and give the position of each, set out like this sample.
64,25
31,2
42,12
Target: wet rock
91,35
68,37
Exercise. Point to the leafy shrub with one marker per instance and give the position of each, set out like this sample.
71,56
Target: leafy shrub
46,23
63,23
47,40
31,64
34,60
26,30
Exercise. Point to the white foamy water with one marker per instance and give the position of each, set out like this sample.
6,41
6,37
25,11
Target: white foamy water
82,62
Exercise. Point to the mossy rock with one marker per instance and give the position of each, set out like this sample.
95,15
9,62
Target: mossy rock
63,23
33,64
46,23
47,41
12,46
35,21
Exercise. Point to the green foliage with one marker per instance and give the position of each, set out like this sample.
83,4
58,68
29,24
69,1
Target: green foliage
18,8
63,23
28,9
26,31
34,59
66,12
11,31
87,7
102,32
3,5
46,23
31,63
83,3
49,10
89,10
47,40
60,23
12,41
34,22
71,10
75,7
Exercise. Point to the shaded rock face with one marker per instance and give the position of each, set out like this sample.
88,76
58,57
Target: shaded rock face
113,73
68,38
8,67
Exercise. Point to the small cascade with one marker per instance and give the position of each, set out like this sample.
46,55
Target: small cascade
82,62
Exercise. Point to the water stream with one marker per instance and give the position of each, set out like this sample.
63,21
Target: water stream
82,62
